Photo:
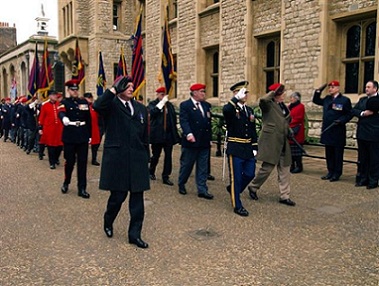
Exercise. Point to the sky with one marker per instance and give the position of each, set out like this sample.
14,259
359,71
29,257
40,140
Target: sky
24,12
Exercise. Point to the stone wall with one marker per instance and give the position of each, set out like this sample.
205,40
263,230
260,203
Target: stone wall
7,37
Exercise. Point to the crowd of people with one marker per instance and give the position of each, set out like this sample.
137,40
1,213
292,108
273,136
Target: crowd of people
136,135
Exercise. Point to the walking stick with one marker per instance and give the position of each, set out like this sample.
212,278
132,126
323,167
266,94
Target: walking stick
224,157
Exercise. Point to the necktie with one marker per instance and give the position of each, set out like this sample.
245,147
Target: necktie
128,107
198,107
244,110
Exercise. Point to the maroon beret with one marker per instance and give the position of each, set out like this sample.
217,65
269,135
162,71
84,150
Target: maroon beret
334,83
161,89
197,86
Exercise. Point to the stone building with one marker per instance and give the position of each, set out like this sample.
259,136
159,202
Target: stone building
16,60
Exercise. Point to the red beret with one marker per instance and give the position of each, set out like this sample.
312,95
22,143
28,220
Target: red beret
161,89
334,83
72,84
274,86
197,86
23,99
7,99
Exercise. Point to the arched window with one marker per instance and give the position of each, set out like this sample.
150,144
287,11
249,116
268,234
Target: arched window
272,68
360,55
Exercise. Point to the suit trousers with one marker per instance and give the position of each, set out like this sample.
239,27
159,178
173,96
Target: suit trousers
334,160
242,171
284,175
156,150
368,155
136,211
71,153
188,158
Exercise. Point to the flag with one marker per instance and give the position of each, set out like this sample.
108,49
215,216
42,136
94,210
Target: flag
169,74
121,68
78,65
33,76
13,91
101,81
45,73
138,69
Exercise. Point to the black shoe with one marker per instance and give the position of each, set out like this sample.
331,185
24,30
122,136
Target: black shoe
287,202
210,178
205,195
360,184
229,189
182,191
57,162
369,187
139,242
82,193
168,182
296,170
52,167
108,231
241,211
253,194
95,163
334,179
64,188
28,152
152,177
40,157
326,177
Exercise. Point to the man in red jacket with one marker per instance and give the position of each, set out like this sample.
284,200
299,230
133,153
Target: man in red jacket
50,128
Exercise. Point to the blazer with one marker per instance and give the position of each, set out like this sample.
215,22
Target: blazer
124,166
334,109
273,141
192,121
368,126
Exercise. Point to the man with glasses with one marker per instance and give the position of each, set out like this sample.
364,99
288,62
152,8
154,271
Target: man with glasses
336,113
195,121
76,118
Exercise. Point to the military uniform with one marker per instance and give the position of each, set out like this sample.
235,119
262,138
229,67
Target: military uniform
76,118
241,147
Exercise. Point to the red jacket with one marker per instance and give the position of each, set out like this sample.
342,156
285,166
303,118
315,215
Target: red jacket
297,112
50,124
95,136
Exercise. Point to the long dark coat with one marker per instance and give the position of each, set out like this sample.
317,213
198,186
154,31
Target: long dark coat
273,139
124,165
334,109
158,133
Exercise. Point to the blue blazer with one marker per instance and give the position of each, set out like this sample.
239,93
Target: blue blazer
192,121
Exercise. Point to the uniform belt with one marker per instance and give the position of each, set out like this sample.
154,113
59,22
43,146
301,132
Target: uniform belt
239,140
77,123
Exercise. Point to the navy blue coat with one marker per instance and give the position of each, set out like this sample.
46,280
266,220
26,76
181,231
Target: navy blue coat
192,121
241,126
334,109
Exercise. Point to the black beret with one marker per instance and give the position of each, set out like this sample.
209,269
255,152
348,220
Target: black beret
88,95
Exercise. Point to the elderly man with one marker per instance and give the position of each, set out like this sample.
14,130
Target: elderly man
195,121
273,145
124,167
163,134
336,113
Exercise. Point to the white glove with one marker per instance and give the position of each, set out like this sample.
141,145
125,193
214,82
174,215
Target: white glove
255,152
162,102
241,94
65,121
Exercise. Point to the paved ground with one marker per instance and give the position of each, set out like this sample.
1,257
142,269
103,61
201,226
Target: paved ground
48,238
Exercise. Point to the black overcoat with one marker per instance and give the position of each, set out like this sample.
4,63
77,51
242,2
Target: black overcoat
124,165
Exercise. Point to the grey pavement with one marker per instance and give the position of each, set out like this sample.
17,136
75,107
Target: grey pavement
50,238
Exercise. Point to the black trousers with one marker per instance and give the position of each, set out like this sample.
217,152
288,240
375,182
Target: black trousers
334,160
368,156
76,152
53,152
136,211
156,150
